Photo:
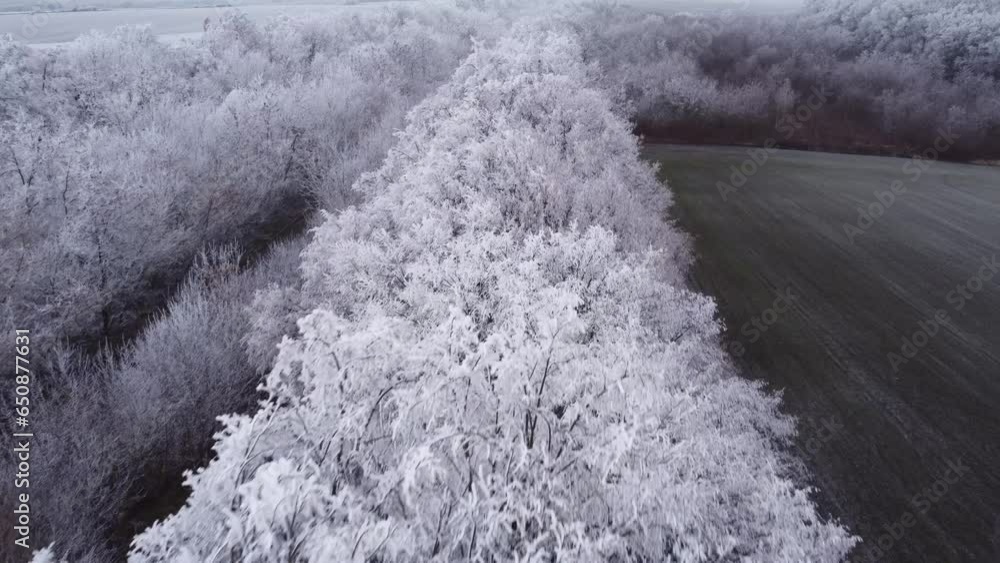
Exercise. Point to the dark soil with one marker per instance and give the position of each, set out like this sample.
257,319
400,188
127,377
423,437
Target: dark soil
888,469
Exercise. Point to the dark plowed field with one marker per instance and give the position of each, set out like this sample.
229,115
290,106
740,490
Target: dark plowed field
887,347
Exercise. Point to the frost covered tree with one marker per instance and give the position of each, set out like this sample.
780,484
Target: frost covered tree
496,366
896,71
959,34
121,158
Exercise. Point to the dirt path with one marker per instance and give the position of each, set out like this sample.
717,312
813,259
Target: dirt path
906,450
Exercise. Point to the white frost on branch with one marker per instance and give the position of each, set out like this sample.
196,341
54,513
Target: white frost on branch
500,365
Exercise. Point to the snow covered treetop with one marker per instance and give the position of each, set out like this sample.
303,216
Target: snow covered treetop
498,367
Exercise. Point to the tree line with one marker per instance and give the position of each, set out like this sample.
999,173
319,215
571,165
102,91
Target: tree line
899,74
149,192
495,361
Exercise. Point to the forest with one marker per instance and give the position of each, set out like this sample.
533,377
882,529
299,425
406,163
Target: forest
397,286
895,74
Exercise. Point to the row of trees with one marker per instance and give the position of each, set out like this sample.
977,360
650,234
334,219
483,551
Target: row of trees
122,159
493,365
897,73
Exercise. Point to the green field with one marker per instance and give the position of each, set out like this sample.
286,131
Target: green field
894,422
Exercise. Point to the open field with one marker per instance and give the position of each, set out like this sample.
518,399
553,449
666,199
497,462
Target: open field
882,459
65,21
182,22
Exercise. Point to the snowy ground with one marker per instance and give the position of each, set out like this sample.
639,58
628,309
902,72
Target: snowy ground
186,19
171,23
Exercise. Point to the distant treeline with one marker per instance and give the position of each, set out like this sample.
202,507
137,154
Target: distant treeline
896,75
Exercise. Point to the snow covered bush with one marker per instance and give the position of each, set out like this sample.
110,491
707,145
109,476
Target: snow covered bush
498,366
